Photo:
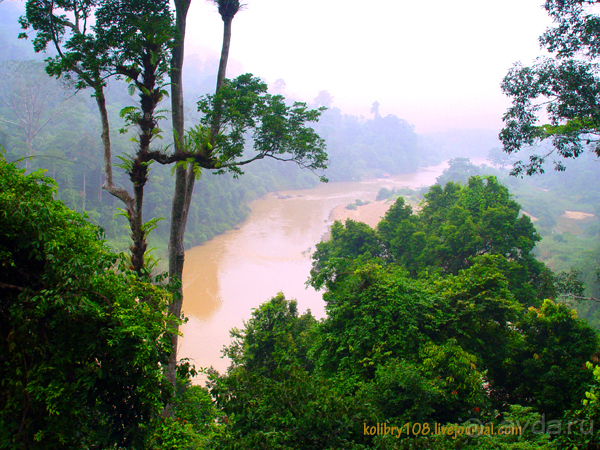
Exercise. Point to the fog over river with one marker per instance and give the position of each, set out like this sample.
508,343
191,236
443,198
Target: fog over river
226,277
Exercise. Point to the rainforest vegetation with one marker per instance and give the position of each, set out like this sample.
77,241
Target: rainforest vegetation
472,302
433,317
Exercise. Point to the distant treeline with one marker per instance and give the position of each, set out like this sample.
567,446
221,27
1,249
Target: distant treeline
64,139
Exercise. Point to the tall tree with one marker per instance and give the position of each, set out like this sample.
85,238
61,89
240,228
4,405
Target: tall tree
185,175
95,41
139,40
566,87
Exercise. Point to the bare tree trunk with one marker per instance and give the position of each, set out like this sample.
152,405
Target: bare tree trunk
216,123
83,199
118,192
100,190
224,52
139,246
183,184
184,181
109,186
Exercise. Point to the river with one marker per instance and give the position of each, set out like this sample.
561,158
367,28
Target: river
225,278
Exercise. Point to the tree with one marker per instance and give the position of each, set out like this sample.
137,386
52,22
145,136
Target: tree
455,224
140,40
479,309
275,335
333,258
82,339
271,396
459,171
566,87
237,107
547,365
126,38
32,99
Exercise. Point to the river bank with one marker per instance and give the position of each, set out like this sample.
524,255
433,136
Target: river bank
370,214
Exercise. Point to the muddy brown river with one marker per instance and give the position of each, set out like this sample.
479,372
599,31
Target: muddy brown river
225,278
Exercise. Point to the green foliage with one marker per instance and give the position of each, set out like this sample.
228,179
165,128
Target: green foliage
480,218
377,316
269,396
550,352
278,131
399,214
373,315
289,410
333,258
479,308
585,418
169,434
454,224
192,425
98,39
137,34
439,387
83,339
194,406
565,87
275,337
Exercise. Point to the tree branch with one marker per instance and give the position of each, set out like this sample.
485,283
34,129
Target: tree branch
581,298
11,286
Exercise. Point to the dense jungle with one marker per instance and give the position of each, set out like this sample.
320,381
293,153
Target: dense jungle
466,317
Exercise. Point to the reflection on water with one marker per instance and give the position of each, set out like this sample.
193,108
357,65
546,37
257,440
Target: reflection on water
226,277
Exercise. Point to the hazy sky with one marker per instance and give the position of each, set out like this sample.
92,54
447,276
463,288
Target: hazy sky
437,64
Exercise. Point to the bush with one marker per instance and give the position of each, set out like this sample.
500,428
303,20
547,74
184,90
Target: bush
82,339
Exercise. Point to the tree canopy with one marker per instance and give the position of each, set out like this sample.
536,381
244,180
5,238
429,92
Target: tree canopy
453,225
565,88
83,340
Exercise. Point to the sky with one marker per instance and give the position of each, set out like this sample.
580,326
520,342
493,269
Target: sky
437,64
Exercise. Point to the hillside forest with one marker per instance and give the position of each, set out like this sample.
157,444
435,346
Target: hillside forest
468,317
